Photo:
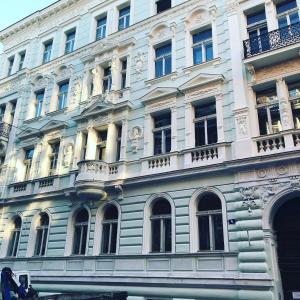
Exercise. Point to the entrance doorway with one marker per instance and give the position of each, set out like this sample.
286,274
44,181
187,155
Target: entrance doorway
286,224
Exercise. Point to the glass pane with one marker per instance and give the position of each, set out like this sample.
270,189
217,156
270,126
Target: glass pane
84,239
294,18
12,240
44,241
161,207
203,224
263,120
282,22
256,17
285,6
212,132
111,213
105,238
209,51
218,232
38,243
205,109
168,235
157,143
202,36
197,55
155,230
168,65
199,134
16,243
163,50
275,117
168,139
82,216
209,201
159,68
76,242
114,232
296,113
162,120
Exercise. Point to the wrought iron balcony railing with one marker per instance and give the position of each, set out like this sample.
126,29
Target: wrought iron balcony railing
273,40
4,130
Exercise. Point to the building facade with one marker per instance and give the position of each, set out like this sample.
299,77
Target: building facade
152,147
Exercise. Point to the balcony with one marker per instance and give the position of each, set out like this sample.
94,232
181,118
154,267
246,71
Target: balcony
92,175
272,45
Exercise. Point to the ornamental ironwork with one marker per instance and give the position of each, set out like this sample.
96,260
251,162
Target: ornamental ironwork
4,130
272,40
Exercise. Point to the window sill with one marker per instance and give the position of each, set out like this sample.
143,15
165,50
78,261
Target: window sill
213,62
33,119
171,76
57,112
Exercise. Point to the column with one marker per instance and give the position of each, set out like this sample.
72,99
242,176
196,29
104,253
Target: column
78,148
148,136
91,144
243,143
189,126
111,144
44,158
271,15
124,140
174,129
35,168
115,73
220,118
286,115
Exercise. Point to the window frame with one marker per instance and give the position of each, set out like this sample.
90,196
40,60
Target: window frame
11,62
82,226
107,80
202,44
102,28
22,56
125,18
163,58
53,158
14,239
70,43
47,54
28,163
123,73
101,145
62,96
44,229
156,7
39,103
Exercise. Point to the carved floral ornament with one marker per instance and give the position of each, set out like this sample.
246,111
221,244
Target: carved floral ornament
162,32
198,17
63,72
249,194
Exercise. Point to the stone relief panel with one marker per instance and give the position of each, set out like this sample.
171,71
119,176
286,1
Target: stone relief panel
135,135
197,17
139,64
68,152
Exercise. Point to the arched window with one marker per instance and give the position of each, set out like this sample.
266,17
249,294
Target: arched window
80,232
41,235
14,237
110,230
210,222
161,226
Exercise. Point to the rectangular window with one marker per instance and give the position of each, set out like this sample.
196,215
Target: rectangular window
162,5
53,158
70,41
162,133
124,18
206,124
84,146
163,60
101,28
10,65
47,51
202,46
39,103
287,14
28,162
22,59
123,73
63,95
107,79
119,140
268,112
294,97
101,145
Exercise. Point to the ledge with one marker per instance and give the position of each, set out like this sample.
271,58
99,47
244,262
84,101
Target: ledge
153,81
213,62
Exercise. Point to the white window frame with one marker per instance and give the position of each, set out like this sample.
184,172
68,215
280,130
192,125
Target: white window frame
44,235
16,241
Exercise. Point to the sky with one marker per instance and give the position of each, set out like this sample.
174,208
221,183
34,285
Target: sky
12,11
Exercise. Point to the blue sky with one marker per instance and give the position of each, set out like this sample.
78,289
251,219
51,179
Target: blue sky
12,11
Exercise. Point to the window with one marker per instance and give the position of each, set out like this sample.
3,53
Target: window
162,5
22,59
47,51
123,73
119,140
84,146
70,41
10,65
14,237
42,230
205,124
28,162
202,46
258,32
107,79
101,145
110,230
162,133
63,95
161,227
268,112
287,14
163,60
124,18
210,223
13,110
101,28
294,96
80,232
39,103
53,158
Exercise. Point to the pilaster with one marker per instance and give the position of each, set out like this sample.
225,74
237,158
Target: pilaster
111,144
91,144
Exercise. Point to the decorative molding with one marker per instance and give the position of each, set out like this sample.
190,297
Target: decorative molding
135,135
249,196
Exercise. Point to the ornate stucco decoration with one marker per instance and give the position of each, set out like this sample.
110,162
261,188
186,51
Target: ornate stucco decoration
284,108
9,87
139,64
242,126
135,135
68,152
198,17
76,90
40,81
232,6
63,72
249,196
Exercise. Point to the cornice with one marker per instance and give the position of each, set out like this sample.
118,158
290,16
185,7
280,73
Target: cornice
36,17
